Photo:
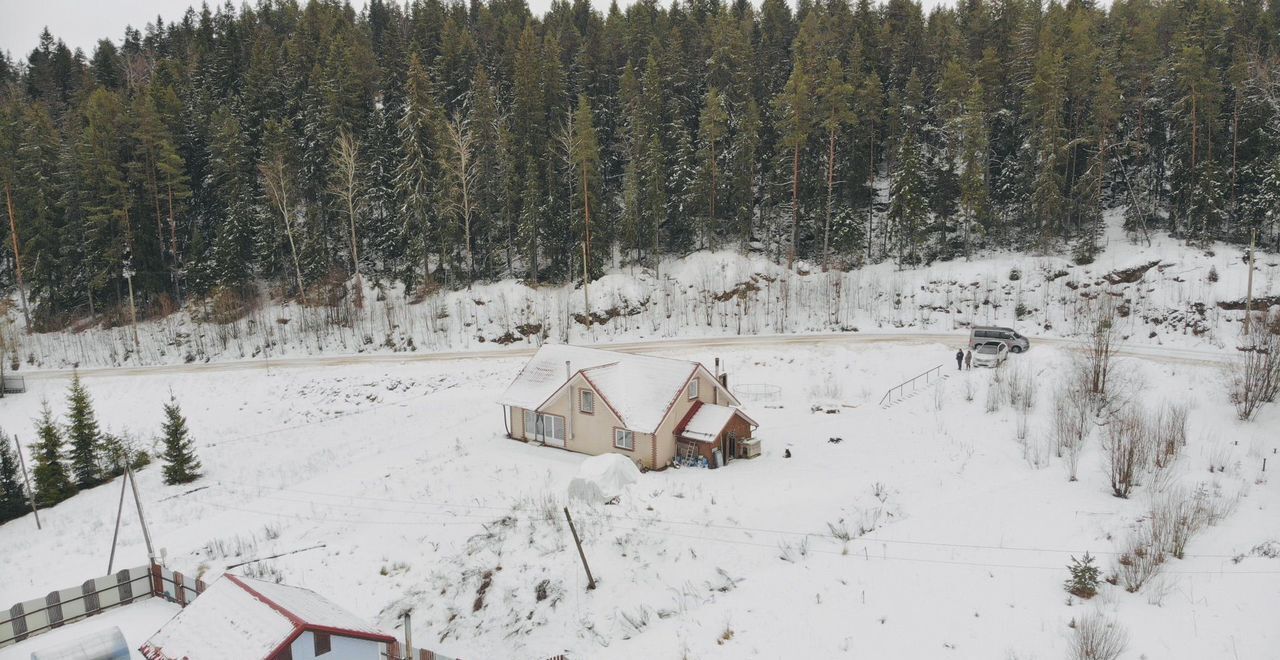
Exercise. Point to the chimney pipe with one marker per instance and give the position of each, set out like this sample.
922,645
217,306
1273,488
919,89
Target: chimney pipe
568,370
717,367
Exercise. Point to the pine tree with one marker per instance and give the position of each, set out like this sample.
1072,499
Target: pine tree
584,161
794,107
83,434
13,497
833,98
180,463
52,482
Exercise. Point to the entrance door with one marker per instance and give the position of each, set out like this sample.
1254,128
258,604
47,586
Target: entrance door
550,430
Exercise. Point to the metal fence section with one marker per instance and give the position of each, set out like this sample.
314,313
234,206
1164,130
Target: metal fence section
10,384
930,377
33,617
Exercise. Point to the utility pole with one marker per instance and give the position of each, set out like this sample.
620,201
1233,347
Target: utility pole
1248,300
31,494
133,310
111,562
17,254
591,581
146,534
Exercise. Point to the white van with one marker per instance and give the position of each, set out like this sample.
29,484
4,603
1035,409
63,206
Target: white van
981,334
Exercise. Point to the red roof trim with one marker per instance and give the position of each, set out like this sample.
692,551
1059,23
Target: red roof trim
293,618
342,632
299,625
674,399
693,410
595,388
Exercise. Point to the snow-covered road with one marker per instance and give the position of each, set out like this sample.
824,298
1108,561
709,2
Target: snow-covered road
1147,352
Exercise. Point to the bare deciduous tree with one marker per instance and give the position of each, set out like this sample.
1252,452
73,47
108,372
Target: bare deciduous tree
1098,638
1126,451
345,187
1100,349
460,173
276,180
1255,379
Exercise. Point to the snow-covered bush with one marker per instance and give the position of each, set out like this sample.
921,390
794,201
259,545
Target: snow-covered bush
1255,378
1140,561
1097,637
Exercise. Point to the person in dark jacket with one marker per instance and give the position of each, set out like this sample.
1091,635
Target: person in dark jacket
968,360
960,360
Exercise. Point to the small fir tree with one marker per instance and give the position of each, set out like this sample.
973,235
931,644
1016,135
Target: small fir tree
1084,577
83,434
13,497
52,482
180,463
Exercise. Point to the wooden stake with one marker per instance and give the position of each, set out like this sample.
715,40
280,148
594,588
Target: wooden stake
17,255
1248,300
146,534
408,638
591,581
133,310
111,562
31,494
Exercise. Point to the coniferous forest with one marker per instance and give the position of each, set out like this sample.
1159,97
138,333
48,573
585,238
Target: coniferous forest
296,146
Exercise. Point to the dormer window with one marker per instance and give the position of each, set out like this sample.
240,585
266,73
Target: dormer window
587,401
693,389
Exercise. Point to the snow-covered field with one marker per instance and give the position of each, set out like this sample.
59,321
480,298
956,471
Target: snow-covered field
958,532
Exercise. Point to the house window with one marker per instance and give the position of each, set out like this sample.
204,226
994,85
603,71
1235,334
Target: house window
530,423
587,401
693,389
624,439
323,643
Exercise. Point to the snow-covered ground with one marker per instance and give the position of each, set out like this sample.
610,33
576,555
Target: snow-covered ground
136,622
959,532
1167,294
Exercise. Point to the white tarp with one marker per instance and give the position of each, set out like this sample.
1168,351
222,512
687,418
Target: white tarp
602,478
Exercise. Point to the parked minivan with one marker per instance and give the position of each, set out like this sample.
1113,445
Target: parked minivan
981,334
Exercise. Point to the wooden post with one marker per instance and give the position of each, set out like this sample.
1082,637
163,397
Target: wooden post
591,581
1248,300
17,255
146,534
408,637
111,562
133,310
31,494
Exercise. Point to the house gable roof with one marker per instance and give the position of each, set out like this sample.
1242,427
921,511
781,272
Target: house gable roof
242,618
705,421
640,389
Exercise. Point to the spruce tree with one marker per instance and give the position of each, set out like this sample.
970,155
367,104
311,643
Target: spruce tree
84,435
52,481
180,463
13,497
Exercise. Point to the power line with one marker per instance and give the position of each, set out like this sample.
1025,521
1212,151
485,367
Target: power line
480,520
734,528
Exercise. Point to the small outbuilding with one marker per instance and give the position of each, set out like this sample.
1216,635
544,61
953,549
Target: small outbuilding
250,619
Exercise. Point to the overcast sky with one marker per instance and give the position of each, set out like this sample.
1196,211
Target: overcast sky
81,23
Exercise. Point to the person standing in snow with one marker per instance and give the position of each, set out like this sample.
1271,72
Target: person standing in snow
968,360
960,360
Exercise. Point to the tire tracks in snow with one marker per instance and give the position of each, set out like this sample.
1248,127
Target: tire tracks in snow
1140,351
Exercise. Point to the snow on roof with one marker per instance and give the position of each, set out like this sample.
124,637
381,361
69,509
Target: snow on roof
244,618
639,388
311,608
223,622
707,421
